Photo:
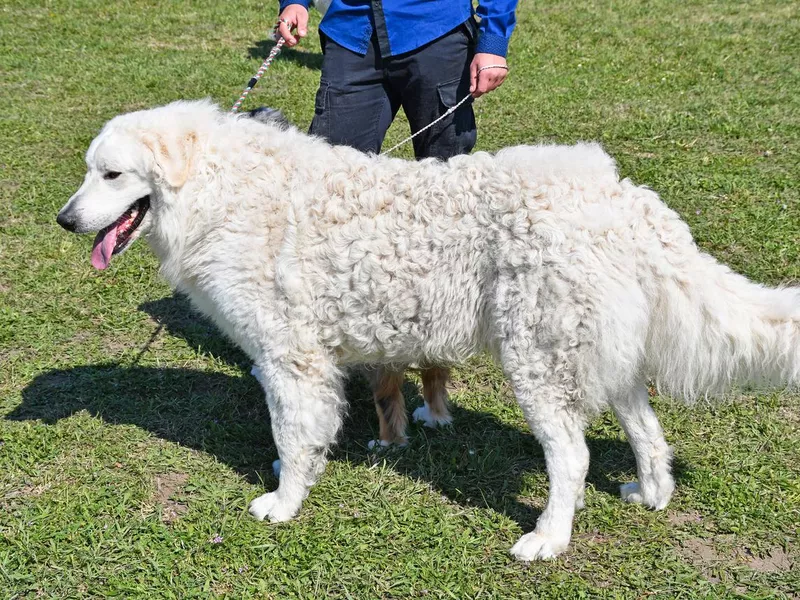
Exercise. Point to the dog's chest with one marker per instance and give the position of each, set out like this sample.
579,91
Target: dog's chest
229,304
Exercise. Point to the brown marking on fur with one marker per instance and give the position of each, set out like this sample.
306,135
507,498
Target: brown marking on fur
175,168
434,391
148,143
390,405
162,147
190,141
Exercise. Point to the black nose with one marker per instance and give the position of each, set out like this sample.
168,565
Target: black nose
67,221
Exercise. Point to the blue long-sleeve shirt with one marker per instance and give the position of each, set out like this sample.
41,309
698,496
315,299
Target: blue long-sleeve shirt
405,25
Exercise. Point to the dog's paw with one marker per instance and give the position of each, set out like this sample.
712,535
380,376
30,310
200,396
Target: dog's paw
632,492
535,546
381,444
270,506
377,444
276,468
423,413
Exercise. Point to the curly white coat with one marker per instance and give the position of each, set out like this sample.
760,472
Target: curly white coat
313,257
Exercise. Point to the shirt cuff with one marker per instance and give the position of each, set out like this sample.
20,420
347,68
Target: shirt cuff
285,3
491,43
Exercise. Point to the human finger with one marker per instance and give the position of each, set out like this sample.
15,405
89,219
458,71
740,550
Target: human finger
473,77
302,23
284,30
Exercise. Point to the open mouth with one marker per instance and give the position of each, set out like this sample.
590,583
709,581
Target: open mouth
118,236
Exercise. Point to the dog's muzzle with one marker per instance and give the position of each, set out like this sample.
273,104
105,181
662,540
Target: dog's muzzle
67,220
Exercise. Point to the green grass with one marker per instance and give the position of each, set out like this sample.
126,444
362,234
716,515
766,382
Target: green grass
132,435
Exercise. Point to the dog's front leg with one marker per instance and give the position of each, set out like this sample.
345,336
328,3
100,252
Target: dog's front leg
305,403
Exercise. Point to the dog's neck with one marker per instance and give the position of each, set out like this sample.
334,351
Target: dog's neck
166,238
264,157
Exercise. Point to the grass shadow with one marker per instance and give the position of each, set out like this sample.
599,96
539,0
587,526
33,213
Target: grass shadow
308,60
176,315
481,461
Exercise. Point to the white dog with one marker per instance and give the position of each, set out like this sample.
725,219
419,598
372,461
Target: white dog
313,257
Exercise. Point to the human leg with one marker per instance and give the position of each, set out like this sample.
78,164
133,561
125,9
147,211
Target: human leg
354,105
432,80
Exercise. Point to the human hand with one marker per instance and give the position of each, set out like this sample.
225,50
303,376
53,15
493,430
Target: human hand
486,73
294,16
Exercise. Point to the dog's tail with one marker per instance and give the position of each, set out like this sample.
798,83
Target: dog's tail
712,328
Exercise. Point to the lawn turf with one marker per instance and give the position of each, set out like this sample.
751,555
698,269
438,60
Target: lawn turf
132,436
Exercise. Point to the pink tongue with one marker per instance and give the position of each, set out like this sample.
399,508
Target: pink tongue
103,247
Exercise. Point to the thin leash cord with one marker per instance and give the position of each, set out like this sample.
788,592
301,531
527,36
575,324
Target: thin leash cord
276,50
254,80
449,112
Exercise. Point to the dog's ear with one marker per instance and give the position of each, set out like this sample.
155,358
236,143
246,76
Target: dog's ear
172,156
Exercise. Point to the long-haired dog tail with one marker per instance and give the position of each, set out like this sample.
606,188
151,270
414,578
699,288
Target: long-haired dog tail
712,329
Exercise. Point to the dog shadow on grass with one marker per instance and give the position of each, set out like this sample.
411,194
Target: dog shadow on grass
309,60
480,461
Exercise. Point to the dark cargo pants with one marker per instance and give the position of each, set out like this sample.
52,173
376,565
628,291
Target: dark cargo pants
359,96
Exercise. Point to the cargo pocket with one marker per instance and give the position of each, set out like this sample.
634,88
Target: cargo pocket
450,92
320,124
458,131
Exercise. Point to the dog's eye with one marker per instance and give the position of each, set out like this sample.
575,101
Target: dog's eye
112,175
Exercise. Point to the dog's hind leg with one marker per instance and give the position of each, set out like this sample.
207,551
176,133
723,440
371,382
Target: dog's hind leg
306,403
390,406
653,455
558,424
434,412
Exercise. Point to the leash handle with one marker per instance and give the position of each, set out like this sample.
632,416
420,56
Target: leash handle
254,80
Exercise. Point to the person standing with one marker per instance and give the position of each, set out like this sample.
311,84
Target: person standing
421,55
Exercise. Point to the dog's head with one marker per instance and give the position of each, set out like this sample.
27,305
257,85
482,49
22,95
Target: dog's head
136,169
134,166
